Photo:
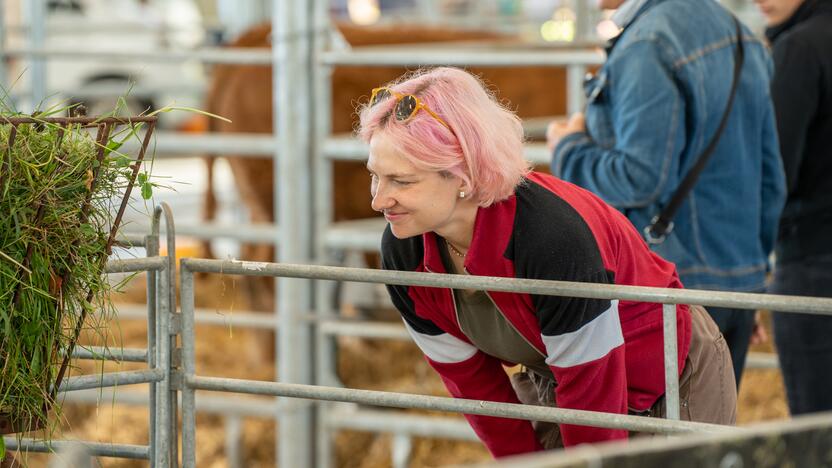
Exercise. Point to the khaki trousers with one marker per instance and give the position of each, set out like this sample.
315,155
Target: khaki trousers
707,391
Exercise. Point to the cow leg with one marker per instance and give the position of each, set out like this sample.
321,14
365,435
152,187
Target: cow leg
209,203
259,289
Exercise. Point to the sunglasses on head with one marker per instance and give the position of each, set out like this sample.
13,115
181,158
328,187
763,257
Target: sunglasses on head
407,105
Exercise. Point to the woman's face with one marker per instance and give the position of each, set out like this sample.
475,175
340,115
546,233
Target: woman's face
413,200
777,11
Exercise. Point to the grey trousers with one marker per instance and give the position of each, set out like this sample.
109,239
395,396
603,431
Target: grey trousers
707,390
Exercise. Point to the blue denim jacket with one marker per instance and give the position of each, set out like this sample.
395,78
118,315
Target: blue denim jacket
652,108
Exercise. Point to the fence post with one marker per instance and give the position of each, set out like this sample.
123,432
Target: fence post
671,361
575,88
186,298
151,244
292,67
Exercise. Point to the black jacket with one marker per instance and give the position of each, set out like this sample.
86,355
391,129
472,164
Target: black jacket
802,95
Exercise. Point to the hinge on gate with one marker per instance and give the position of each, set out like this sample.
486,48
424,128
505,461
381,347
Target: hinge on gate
175,324
177,380
176,358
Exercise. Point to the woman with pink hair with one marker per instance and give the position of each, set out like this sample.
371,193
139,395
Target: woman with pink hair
448,173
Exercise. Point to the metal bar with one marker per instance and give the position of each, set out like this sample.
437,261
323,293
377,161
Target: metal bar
292,66
100,26
259,320
402,448
780,303
132,265
98,449
261,233
352,149
574,89
37,67
255,145
355,328
233,436
363,329
238,319
112,379
258,145
325,366
671,361
762,361
84,121
257,408
237,55
246,319
163,418
535,128
359,234
186,298
458,56
397,421
262,408
458,405
151,243
129,240
140,91
167,335
362,56
74,456
110,354
583,22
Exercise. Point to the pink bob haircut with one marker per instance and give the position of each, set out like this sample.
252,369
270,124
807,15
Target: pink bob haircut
484,146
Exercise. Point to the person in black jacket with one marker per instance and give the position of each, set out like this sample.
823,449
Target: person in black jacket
801,35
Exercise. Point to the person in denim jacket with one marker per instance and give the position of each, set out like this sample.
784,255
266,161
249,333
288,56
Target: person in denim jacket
652,108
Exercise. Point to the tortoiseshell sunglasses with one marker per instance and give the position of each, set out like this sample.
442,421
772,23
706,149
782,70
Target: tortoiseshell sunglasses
407,105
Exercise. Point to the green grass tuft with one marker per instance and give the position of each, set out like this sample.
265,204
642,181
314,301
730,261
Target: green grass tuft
57,204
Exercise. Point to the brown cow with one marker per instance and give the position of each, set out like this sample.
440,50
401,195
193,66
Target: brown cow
243,94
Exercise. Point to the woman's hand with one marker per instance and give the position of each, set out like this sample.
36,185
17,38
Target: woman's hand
557,130
759,334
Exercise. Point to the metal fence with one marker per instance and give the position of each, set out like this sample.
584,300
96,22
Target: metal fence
162,409
668,297
171,335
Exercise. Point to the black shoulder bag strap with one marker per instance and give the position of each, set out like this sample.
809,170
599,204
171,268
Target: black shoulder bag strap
662,224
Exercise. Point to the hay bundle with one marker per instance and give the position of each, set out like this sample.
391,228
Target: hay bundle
62,192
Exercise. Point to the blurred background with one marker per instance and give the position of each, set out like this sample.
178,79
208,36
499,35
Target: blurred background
145,47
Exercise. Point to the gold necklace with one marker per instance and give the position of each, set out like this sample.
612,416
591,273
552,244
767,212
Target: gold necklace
454,250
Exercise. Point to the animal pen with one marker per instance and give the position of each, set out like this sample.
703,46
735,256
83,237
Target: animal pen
307,324
171,373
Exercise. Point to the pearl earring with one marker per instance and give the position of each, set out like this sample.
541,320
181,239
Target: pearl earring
461,194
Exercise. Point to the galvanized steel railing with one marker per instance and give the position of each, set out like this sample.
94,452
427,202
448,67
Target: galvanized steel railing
668,297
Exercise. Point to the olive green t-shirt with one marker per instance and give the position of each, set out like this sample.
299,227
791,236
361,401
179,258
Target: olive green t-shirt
488,329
